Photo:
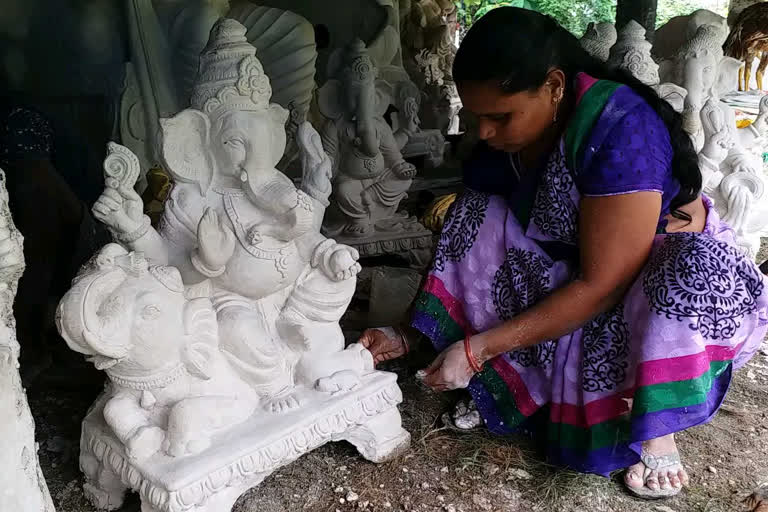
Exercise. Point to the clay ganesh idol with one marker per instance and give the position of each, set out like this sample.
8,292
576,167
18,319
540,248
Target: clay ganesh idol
370,175
241,233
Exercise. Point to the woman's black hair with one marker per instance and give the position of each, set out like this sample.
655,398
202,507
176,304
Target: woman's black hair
519,47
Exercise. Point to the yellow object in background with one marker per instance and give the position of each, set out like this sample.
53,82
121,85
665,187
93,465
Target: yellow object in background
154,196
743,123
434,217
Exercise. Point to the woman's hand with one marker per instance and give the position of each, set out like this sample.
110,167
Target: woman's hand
451,369
384,343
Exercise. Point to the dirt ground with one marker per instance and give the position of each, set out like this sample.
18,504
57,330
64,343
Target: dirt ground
445,471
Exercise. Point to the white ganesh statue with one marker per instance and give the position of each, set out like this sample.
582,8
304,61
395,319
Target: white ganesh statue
220,330
370,175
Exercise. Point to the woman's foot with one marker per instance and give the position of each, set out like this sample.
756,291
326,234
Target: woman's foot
660,473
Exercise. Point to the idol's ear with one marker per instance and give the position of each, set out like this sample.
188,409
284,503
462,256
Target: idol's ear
185,148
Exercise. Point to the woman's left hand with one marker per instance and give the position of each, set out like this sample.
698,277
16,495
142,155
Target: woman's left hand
450,370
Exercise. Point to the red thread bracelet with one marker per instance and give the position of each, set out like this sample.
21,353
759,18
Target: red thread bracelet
470,357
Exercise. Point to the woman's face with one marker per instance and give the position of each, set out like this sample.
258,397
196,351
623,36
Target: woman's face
508,122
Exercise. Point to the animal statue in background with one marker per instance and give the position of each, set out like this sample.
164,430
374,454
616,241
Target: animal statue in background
749,39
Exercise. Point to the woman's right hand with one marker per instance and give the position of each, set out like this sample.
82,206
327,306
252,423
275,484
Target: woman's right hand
384,343
120,209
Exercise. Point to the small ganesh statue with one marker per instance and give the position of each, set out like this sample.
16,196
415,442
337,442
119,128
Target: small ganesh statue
241,234
171,388
370,175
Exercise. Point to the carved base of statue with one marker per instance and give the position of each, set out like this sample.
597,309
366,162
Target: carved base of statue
239,459
427,143
401,235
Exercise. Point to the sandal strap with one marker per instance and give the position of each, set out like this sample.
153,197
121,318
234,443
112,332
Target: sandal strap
657,462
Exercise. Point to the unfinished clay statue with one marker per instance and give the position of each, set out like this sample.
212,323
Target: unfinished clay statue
730,158
598,40
371,177
670,37
414,140
232,306
632,53
241,227
428,34
22,485
172,395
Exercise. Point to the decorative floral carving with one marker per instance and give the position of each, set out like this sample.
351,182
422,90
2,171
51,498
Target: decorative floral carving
253,82
251,468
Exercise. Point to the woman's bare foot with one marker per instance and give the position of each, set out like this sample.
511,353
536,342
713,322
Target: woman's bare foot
384,343
660,473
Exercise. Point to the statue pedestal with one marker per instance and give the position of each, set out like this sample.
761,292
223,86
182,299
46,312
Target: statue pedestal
400,235
243,456
427,143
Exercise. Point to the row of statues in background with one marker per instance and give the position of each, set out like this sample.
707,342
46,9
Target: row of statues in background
428,33
363,85
687,67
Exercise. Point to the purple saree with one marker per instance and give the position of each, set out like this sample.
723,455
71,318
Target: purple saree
698,310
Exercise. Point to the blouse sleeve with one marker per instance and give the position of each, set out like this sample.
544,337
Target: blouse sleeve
632,154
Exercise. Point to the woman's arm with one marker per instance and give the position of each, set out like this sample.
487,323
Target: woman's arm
616,233
616,237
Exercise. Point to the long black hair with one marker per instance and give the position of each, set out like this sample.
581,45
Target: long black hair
519,47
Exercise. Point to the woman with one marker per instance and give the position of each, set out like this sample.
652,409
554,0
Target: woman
581,280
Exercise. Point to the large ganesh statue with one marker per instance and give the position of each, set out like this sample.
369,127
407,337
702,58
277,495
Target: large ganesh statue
220,330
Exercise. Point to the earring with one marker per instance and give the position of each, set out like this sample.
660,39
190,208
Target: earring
556,101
